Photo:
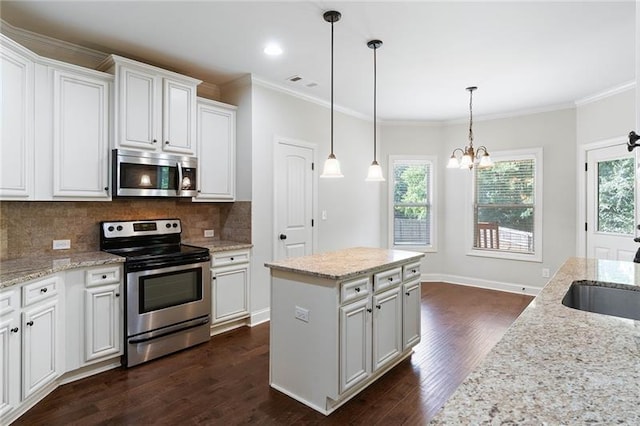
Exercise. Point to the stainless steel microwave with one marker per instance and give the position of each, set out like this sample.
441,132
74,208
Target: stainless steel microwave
147,174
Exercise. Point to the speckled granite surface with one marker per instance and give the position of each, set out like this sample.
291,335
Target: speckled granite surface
347,263
17,271
557,365
219,245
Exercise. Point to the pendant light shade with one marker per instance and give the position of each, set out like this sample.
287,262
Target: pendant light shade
375,171
331,165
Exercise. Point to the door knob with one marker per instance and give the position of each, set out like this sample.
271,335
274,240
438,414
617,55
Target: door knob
283,237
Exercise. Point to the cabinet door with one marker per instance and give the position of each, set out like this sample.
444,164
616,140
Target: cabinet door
230,293
387,327
16,138
411,314
355,343
80,136
139,103
39,348
102,322
216,141
9,363
178,117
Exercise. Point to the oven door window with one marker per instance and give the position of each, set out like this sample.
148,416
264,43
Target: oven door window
170,289
147,176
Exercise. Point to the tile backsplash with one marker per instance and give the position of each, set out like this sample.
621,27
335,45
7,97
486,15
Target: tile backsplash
29,227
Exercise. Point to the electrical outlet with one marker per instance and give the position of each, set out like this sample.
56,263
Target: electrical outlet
61,244
302,314
545,272
324,215
208,233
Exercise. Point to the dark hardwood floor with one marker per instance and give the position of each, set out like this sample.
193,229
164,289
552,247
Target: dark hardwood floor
226,381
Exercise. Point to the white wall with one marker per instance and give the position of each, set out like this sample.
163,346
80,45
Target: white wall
352,205
555,132
606,118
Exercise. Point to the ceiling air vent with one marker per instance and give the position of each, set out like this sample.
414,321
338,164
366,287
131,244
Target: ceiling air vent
300,80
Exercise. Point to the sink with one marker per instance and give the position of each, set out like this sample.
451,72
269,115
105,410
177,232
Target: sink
604,298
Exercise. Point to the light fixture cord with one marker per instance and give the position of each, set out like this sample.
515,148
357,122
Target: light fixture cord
374,103
471,118
332,87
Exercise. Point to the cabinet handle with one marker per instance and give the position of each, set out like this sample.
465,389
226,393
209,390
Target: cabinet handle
166,142
231,259
155,141
369,310
408,294
413,271
357,289
14,330
30,323
390,278
378,306
104,277
106,188
43,290
117,294
213,278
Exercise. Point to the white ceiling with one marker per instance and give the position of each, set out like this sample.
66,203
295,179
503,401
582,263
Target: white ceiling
522,55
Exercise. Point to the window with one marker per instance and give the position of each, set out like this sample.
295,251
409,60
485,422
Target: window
507,207
411,195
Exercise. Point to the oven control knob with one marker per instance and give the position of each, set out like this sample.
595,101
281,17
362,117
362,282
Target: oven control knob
175,225
110,229
168,225
119,228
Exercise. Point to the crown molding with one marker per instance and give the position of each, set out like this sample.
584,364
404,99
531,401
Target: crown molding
511,114
621,88
53,48
269,85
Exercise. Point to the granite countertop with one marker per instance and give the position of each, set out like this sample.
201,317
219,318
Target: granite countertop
557,365
17,271
219,245
346,263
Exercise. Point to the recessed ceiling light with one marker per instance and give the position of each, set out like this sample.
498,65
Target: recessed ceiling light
273,49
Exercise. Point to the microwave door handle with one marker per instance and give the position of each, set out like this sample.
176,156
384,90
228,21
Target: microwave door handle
179,185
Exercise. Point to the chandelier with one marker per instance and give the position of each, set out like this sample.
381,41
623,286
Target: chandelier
468,157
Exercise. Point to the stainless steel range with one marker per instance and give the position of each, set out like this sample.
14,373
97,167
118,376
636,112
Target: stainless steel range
168,296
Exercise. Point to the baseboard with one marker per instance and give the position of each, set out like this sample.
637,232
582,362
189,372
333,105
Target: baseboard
480,283
258,317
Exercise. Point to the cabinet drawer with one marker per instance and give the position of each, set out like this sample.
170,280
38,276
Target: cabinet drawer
229,258
9,301
387,279
102,276
354,290
410,271
40,290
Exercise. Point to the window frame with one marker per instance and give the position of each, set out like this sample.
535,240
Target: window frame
521,154
432,160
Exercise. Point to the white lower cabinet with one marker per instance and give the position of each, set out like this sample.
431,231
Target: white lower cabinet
329,339
9,350
230,280
102,322
31,347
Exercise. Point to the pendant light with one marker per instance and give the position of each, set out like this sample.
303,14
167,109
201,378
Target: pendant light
331,165
469,157
375,171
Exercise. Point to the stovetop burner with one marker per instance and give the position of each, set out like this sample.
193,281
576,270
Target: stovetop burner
148,241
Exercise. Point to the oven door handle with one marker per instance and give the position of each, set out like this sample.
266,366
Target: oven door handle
145,337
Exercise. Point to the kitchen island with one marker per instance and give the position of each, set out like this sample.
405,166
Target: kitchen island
558,365
340,320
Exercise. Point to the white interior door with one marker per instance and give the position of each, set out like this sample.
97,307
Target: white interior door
294,187
611,202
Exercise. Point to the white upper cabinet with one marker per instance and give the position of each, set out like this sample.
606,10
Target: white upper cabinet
16,138
155,108
80,134
216,140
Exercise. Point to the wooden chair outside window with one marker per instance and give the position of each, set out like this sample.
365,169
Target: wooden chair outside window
487,235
